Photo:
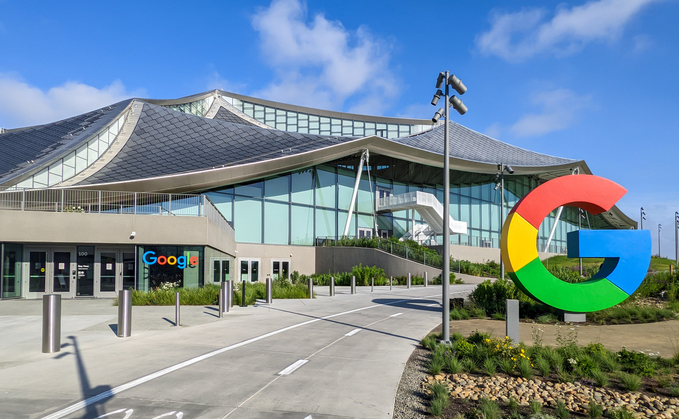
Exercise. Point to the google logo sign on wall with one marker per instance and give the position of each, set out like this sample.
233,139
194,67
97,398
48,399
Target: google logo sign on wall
150,258
627,253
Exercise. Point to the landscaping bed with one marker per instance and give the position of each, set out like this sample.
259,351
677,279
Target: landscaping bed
486,377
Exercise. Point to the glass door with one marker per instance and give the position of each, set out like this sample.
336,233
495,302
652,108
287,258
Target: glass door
11,271
37,272
249,270
280,269
108,270
85,280
128,271
62,272
220,270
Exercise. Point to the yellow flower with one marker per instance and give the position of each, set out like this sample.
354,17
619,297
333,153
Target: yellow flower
521,350
487,340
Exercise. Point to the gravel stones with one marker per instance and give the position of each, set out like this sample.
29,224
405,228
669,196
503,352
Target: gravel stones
576,396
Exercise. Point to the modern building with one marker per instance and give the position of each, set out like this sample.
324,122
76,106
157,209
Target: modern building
221,186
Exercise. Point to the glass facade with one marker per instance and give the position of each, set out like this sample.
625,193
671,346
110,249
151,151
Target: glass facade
76,161
298,207
198,108
287,120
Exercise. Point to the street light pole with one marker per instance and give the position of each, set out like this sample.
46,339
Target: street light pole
659,230
676,238
641,219
461,109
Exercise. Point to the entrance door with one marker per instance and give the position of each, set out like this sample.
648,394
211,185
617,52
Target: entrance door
280,269
249,270
85,281
221,269
107,273
365,233
49,270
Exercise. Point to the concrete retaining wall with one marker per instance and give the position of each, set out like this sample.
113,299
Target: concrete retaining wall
342,259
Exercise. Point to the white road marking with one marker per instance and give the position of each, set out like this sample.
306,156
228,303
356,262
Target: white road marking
134,383
353,332
396,315
289,370
308,417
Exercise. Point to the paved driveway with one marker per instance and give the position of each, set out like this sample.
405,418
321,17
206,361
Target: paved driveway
331,357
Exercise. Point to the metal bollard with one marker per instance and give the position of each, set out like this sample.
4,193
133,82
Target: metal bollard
372,284
229,296
124,313
353,284
409,279
177,300
222,298
391,282
51,323
332,286
269,290
242,294
426,279
311,287
512,321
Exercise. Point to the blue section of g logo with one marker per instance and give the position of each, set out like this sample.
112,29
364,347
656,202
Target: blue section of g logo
627,254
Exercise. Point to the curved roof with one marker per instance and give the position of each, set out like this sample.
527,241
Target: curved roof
31,148
160,149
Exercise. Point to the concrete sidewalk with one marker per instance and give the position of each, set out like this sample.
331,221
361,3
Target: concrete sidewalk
214,368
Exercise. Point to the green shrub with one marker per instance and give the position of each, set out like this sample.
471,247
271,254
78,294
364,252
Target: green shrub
543,366
535,407
674,391
513,404
469,365
630,381
452,365
489,367
439,398
489,408
622,413
636,362
437,406
507,366
459,314
498,316
429,342
525,369
435,365
477,312
561,411
206,295
600,378
595,410
547,318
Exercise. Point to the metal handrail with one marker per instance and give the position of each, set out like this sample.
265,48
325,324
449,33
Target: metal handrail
111,202
389,246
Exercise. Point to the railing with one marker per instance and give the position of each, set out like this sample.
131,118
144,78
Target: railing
425,257
109,202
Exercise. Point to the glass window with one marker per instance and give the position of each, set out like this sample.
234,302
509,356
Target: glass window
325,187
365,198
302,231
302,187
345,184
248,220
341,222
276,222
278,188
223,203
252,189
162,270
325,223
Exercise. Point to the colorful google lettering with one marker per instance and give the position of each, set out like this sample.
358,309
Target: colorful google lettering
627,253
149,258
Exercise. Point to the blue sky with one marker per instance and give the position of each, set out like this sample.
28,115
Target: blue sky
593,80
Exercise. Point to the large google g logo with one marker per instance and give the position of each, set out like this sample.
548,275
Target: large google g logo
627,253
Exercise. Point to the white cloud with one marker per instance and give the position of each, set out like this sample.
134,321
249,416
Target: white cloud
216,81
493,130
320,63
22,104
559,110
518,36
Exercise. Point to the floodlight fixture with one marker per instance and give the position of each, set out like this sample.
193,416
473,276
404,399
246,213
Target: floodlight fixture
509,169
439,80
457,84
436,98
458,105
437,116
